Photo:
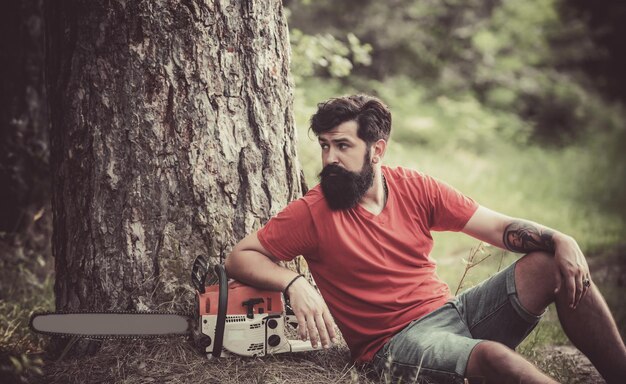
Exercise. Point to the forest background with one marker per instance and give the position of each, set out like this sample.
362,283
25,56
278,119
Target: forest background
520,105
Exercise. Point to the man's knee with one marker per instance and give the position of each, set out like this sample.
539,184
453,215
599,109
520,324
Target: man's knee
540,262
497,363
535,280
489,358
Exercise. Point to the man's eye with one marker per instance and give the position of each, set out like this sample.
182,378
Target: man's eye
324,146
343,146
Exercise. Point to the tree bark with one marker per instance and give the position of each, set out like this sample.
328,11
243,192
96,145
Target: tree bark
172,137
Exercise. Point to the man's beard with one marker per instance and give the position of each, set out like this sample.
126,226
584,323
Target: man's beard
344,189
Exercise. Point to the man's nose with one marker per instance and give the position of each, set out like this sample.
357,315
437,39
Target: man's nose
331,157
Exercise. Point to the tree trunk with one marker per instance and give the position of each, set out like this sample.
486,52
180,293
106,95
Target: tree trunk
172,137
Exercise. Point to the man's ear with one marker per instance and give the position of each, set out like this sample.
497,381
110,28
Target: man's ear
378,150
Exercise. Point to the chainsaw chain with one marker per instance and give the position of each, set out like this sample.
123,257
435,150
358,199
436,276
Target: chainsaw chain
111,336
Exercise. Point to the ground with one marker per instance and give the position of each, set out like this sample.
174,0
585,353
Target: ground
583,370
177,361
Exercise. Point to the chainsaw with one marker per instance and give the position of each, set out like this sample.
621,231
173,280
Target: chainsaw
230,318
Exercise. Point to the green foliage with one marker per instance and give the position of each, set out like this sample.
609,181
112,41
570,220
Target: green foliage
17,343
325,54
515,57
25,287
604,160
19,368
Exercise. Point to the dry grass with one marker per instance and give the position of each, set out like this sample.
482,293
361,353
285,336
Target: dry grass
177,361
566,364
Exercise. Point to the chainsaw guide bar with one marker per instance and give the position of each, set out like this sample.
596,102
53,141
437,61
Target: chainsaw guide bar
112,324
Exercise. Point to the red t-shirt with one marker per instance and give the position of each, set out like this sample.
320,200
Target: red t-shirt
374,271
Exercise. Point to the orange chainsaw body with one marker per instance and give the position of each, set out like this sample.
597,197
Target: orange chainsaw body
237,294
256,322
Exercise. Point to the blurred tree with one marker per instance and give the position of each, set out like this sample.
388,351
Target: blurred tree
416,38
606,21
24,148
522,57
172,136
25,217
529,63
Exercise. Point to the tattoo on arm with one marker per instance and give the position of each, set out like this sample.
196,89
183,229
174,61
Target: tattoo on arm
523,237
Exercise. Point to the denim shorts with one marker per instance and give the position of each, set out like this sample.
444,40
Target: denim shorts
436,347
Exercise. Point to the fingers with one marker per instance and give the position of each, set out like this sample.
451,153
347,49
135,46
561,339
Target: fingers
583,285
312,330
572,278
330,326
578,294
583,281
322,333
326,329
586,281
576,284
314,319
321,328
315,328
570,290
302,326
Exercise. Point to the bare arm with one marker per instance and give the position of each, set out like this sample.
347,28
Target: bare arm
515,235
524,236
251,263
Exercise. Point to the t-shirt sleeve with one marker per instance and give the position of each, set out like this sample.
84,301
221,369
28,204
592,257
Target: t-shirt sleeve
450,209
290,233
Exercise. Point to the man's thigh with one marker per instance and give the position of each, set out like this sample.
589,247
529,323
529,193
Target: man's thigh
492,310
438,345
435,348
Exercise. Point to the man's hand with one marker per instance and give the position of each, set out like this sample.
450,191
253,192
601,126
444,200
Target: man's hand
312,313
251,263
572,270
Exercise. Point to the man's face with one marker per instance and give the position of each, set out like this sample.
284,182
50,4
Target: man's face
347,172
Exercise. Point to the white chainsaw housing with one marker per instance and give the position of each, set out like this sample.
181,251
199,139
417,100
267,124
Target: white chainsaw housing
257,336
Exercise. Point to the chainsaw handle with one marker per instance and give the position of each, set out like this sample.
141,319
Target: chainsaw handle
222,306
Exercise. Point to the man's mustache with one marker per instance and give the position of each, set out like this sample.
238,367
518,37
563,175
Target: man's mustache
333,169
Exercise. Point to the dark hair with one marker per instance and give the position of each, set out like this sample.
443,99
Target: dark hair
373,118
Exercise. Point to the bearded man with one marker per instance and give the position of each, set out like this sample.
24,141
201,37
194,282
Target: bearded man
365,234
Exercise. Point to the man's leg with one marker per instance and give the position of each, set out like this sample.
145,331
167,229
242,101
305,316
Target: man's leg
493,362
590,326
494,314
